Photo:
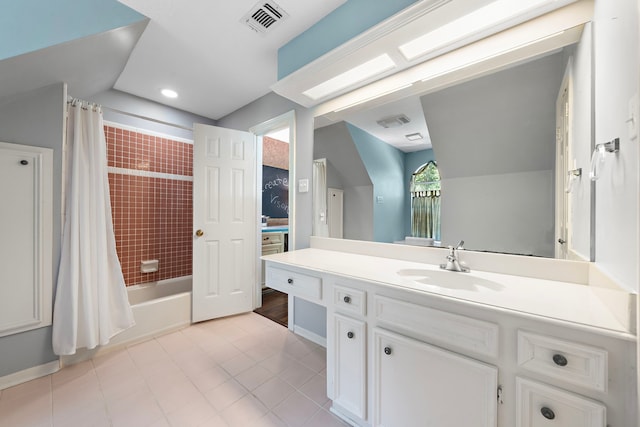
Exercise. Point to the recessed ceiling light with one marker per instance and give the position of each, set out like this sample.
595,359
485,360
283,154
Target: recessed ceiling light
414,136
357,74
169,93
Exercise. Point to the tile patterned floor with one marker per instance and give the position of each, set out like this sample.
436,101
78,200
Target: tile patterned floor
241,371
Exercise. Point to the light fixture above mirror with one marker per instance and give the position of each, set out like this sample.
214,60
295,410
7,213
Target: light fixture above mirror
487,19
373,65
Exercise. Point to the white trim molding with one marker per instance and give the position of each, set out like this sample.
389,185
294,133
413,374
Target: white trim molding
29,374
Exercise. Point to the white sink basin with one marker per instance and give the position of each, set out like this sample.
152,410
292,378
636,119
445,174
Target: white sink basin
450,279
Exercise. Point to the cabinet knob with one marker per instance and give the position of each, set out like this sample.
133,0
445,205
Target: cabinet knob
349,334
547,413
347,299
24,162
560,360
387,350
289,281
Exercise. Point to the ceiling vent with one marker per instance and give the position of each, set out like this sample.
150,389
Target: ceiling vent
393,121
264,17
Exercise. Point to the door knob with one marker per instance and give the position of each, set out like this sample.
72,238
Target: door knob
199,233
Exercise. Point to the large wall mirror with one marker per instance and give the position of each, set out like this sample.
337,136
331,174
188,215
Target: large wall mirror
512,147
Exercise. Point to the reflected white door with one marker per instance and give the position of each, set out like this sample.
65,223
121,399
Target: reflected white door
335,212
225,222
562,167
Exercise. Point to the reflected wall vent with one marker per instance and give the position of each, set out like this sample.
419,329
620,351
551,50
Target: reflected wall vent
394,121
264,17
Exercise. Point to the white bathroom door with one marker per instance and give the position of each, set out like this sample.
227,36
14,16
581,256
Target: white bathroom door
225,222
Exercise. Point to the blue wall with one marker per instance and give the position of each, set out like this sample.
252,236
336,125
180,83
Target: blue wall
386,167
28,25
343,24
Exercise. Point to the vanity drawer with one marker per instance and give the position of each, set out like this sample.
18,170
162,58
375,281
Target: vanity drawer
438,327
540,405
292,282
350,300
563,360
272,238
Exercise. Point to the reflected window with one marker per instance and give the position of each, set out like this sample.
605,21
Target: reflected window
425,201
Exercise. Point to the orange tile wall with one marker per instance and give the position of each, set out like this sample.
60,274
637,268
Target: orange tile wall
275,153
152,215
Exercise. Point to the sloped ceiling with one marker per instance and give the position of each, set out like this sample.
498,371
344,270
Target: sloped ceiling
88,65
336,144
200,48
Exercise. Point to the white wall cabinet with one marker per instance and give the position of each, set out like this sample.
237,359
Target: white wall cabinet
417,384
26,238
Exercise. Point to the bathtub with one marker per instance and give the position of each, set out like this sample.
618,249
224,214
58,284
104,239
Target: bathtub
158,307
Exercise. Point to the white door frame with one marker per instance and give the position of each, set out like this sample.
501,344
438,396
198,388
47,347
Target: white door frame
284,120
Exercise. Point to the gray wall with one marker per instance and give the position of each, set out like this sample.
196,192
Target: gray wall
35,118
617,67
358,213
143,107
345,170
264,109
498,127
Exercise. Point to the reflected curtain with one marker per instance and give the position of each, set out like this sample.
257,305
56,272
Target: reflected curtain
425,219
320,224
91,304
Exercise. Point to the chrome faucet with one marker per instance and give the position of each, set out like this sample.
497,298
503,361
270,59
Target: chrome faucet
453,263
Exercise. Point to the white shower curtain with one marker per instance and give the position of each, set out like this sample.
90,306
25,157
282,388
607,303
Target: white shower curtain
320,224
91,304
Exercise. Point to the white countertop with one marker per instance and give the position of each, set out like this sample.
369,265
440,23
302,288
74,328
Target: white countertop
570,302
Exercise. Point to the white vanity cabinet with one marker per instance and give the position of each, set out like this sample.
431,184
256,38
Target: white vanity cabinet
417,384
294,281
380,351
347,347
348,351
403,354
559,362
541,405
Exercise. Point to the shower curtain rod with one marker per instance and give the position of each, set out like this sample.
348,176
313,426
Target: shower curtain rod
137,116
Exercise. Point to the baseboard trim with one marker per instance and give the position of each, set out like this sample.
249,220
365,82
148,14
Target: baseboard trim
311,336
338,413
29,374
